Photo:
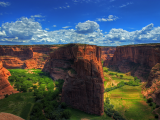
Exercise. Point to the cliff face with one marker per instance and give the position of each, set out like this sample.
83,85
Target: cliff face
5,87
26,57
80,66
137,59
107,54
152,88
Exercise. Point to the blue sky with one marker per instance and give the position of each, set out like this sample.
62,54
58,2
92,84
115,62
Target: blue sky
97,22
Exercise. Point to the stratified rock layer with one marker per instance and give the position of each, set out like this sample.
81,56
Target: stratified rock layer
82,70
5,87
138,59
152,88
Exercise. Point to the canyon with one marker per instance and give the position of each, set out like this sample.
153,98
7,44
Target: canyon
80,66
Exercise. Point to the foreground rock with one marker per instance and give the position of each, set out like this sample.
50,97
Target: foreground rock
8,116
5,87
80,66
152,88
137,59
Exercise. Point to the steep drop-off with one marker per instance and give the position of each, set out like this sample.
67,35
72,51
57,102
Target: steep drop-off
5,87
138,59
80,66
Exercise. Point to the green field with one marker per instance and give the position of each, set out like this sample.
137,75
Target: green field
128,100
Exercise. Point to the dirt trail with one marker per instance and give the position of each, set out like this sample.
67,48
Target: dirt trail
111,81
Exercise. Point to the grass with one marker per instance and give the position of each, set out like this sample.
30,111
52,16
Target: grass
19,104
130,103
78,115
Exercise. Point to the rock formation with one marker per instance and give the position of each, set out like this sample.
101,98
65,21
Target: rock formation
27,57
152,88
139,59
5,87
80,66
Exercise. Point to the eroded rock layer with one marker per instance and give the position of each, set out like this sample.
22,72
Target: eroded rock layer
138,59
27,57
80,66
5,87
152,88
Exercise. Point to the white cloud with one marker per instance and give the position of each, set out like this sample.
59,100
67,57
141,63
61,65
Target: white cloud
124,5
46,28
4,4
87,27
26,30
2,33
54,26
39,16
110,18
66,27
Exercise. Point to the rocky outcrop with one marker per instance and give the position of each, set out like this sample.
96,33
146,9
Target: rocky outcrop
27,57
8,116
152,88
5,87
139,59
83,74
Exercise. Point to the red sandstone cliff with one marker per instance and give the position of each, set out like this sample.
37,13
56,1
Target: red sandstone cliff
107,54
80,66
5,87
139,59
28,57
152,88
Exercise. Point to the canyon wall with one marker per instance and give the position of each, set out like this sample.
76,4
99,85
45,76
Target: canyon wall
80,66
152,88
107,53
5,87
138,59
26,57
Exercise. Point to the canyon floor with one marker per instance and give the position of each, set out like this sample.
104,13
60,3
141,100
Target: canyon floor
127,100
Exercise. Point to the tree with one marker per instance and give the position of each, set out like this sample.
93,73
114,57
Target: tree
121,76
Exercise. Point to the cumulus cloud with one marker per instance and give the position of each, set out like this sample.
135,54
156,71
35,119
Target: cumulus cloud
87,27
110,18
4,4
27,30
54,26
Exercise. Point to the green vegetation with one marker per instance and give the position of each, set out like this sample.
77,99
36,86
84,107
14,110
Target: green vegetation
125,95
19,104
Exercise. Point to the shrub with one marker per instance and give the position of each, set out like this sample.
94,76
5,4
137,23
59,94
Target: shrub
34,86
149,100
105,70
111,74
6,95
156,116
63,105
121,76
30,90
151,104
66,114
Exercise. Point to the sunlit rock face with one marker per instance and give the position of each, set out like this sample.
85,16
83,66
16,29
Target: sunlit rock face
5,87
80,66
138,59
152,88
